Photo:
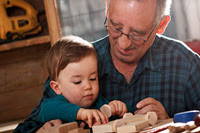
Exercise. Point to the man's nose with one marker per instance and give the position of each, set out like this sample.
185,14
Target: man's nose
124,42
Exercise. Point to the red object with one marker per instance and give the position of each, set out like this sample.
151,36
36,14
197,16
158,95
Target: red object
195,46
197,120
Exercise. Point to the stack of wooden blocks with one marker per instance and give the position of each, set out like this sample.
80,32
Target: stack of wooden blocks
71,127
129,123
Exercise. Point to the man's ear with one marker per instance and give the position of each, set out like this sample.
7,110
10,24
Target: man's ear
107,7
163,24
55,86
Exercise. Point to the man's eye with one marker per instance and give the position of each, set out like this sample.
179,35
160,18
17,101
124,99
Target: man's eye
92,79
118,29
78,82
136,34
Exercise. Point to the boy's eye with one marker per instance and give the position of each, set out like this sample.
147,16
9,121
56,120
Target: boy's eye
92,79
78,82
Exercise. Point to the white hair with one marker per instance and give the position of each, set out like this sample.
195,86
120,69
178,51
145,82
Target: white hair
163,8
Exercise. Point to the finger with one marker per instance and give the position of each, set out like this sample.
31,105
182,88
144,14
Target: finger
125,110
136,112
112,106
157,108
97,117
120,108
103,117
47,125
81,125
146,102
148,108
115,108
42,130
56,122
90,120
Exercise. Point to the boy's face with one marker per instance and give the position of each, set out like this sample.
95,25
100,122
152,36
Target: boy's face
78,82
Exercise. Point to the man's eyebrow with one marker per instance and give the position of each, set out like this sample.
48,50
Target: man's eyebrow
132,30
114,23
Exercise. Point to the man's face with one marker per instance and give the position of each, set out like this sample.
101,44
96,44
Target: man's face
135,18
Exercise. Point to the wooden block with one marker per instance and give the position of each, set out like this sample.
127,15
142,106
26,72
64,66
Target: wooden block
64,128
108,127
151,117
196,130
117,123
128,115
102,128
161,125
86,131
77,130
105,109
133,127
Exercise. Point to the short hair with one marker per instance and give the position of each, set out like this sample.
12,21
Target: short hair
162,9
67,50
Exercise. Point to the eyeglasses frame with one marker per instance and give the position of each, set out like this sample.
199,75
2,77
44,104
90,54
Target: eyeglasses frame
128,34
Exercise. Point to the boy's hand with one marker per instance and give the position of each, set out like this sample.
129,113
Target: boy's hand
91,116
118,108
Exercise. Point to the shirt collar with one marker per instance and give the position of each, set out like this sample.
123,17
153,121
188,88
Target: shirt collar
148,61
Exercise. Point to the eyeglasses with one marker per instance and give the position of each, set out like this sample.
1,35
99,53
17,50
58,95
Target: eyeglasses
116,33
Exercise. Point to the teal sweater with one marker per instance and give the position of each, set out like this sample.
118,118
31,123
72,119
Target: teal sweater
59,108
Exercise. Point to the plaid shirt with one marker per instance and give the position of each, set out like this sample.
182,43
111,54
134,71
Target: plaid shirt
168,72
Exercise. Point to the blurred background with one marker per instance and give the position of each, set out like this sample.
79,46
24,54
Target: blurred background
85,18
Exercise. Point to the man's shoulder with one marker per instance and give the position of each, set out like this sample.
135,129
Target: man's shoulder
101,44
173,46
175,52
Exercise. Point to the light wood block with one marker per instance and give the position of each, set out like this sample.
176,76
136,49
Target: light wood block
151,117
64,128
117,123
105,109
77,130
128,115
103,128
86,131
108,127
133,127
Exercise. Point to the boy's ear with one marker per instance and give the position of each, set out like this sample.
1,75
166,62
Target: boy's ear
163,24
55,86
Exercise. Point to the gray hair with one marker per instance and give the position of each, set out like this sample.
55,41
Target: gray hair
163,8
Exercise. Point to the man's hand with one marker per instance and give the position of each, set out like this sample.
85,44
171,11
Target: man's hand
91,116
150,104
118,108
48,124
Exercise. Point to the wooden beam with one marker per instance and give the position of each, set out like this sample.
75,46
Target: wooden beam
53,20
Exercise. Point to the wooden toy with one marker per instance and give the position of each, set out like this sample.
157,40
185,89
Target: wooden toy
71,127
129,123
64,128
108,127
151,117
133,127
105,109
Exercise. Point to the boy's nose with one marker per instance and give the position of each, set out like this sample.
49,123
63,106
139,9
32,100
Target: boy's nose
87,86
